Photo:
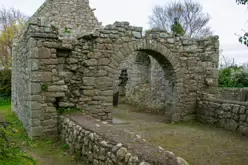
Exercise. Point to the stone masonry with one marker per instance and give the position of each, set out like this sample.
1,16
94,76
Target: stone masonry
96,143
145,87
66,59
231,115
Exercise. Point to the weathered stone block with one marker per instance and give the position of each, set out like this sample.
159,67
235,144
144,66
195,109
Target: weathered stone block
49,61
51,110
34,105
34,88
65,104
105,81
103,61
41,76
56,94
89,92
72,60
137,35
41,53
243,117
89,81
102,73
36,132
34,64
57,88
121,153
37,98
49,122
91,62
107,93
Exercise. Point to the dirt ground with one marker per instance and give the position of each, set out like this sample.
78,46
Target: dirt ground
197,143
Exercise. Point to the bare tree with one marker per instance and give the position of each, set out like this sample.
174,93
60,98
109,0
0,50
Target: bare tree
11,21
189,14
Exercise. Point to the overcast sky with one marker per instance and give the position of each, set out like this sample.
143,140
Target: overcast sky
227,18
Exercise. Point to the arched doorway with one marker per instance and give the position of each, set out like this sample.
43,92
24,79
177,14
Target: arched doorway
168,63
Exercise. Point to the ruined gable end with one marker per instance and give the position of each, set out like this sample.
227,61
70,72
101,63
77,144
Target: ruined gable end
71,17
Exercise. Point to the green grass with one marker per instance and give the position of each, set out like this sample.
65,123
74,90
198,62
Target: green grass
18,157
197,143
43,151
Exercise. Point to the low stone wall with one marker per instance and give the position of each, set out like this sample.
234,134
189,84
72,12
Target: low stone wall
237,94
232,115
96,142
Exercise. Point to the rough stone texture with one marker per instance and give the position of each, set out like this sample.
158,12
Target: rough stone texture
145,87
98,143
231,115
79,65
236,94
71,17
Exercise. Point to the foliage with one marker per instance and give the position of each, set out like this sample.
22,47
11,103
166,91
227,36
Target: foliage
65,146
67,30
233,77
177,28
148,32
44,87
189,13
5,131
5,83
244,38
8,149
11,23
242,2
46,148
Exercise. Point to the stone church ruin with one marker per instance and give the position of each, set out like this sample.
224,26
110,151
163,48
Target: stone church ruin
67,59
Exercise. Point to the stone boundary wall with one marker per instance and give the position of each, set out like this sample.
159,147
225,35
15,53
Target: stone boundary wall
96,142
238,94
231,115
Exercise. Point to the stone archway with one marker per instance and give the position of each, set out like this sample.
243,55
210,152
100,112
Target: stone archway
167,60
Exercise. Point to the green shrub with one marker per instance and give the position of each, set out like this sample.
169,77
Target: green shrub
177,28
233,76
5,145
5,83
44,87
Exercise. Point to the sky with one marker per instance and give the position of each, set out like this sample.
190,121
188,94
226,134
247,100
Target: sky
227,18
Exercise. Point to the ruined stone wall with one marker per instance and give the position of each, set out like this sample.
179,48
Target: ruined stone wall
52,68
231,115
235,94
95,142
71,17
70,73
36,85
21,87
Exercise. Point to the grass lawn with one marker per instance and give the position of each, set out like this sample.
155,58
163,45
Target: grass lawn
36,152
198,144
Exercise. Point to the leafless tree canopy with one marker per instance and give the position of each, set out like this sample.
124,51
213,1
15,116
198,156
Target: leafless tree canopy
189,13
9,16
10,23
